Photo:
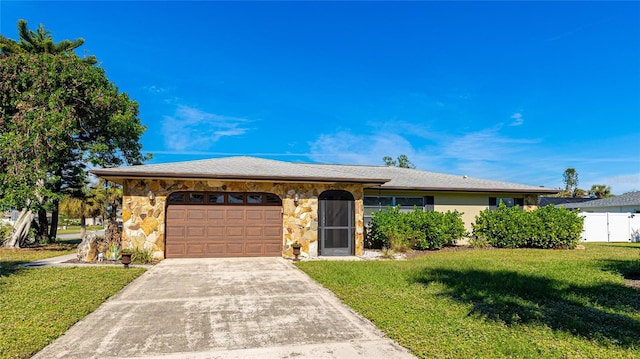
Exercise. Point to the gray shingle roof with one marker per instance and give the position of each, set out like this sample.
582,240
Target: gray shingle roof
263,169
237,168
627,199
406,178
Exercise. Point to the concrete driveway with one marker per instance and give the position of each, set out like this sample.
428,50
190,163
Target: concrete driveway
223,308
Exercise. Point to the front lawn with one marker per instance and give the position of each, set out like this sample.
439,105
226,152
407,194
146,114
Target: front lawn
506,303
38,305
76,229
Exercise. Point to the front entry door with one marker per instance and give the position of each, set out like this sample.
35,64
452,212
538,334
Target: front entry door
337,223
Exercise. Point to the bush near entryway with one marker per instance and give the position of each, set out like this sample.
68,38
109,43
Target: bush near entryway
417,229
511,227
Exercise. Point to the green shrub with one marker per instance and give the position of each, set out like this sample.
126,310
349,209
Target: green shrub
141,256
417,229
387,225
511,227
5,230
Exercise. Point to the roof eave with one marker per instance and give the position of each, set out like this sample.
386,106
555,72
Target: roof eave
472,189
120,176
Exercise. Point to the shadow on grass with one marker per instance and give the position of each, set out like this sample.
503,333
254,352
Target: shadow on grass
8,268
620,245
599,312
629,269
68,241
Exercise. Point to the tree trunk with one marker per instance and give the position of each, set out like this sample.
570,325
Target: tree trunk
20,232
42,234
53,231
83,226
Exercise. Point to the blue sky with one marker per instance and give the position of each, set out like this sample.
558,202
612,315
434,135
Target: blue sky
513,91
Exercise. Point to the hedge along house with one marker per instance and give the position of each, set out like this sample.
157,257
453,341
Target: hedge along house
245,206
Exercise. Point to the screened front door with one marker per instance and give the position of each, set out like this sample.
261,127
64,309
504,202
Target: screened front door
336,227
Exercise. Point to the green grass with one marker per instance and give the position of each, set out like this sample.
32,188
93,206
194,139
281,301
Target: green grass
76,229
521,303
37,305
10,257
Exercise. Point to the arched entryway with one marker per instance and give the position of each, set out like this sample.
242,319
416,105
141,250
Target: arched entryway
336,229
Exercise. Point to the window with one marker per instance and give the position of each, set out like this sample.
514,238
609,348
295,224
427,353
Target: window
254,199
407,203
176,198
196,197
494,202
273,199
216,198
236,198
223,198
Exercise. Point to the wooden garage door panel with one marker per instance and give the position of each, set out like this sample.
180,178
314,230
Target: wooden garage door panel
273,216
196,231
223,231
215,231
235,214
234,249
175,232
215,215
253,232
272,249
254,249
195,249
255,215
272,231
176,215
196,214
215,249
175,250
235,232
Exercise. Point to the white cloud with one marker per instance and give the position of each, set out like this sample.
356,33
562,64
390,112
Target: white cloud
484,145
484,154
155,89
517,119
348,148
620,184
193,129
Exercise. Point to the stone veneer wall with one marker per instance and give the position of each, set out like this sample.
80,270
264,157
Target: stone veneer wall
144,220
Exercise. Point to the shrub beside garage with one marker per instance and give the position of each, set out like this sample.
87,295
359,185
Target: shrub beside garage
511,227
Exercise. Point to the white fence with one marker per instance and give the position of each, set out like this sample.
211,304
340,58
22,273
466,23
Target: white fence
611,227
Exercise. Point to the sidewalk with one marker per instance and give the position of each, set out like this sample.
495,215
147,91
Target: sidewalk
60,261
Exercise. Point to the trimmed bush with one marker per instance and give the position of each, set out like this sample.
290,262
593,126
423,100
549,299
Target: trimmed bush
417,229
547,227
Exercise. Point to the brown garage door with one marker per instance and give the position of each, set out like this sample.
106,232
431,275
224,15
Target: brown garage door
223,225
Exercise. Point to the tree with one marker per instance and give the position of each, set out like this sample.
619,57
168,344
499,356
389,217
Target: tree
402,161
58,113
87,204
600,191
570,179
40,42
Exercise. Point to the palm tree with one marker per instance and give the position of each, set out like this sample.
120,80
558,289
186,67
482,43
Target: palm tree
40,42
600,191
83,204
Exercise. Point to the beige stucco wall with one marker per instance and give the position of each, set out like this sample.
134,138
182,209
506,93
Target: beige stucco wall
144,220
470,204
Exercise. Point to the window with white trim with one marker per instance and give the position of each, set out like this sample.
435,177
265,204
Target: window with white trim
494,202
406,203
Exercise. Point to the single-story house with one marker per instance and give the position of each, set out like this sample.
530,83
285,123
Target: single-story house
625,203
246,206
